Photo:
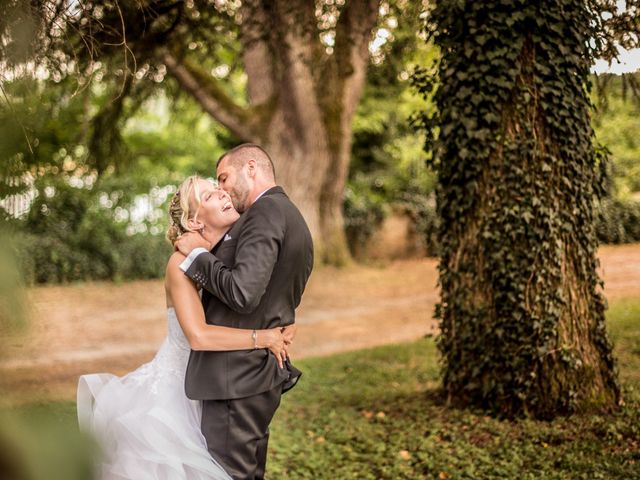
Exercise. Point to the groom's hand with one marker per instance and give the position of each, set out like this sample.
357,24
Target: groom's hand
189,241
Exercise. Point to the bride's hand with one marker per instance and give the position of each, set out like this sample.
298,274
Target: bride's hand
289,333
189,241
274,340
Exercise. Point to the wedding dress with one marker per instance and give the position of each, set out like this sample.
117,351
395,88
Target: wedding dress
148,429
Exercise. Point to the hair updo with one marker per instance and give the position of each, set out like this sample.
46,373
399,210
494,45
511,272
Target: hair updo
180,208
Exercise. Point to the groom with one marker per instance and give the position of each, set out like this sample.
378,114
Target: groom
253,278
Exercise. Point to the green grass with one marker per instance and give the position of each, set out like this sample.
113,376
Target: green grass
624,330
376,414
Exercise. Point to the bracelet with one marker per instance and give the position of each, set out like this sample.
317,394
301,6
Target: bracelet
254,336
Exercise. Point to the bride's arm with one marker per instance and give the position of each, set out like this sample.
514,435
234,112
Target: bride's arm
201,336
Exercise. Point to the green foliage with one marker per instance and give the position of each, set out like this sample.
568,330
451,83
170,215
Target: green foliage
169,139
78,224
616,123
387,169
72,233
331,426
36,123
364,210
517,175
370,197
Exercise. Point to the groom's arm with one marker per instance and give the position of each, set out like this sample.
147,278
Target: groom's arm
242,285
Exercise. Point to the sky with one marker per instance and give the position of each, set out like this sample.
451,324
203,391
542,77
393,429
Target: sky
629,62
629,59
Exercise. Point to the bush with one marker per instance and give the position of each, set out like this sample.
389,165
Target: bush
618,221
52,260
70,234
47,259
369,200
422,209
144,256
364,210
371,195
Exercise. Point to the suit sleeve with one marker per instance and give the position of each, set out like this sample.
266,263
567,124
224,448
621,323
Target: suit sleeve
242,285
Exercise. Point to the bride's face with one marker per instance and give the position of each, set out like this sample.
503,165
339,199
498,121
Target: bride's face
215,210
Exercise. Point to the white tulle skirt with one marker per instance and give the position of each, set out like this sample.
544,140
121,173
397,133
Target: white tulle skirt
148,429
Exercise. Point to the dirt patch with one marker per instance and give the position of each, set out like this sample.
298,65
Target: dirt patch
98,327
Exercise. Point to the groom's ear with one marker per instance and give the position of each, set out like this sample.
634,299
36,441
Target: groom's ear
251,167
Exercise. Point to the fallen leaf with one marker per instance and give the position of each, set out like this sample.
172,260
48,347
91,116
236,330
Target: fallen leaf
443,475
320,439
381,415
404,454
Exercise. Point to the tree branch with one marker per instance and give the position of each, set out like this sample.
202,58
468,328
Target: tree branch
343,83
353,33
345,73
296,43
210,96
259,64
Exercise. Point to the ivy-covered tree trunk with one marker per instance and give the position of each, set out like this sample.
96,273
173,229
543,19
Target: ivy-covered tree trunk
522,310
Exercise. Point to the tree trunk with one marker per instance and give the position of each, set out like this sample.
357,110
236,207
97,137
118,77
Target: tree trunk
313,170
522,316
301,167
302,103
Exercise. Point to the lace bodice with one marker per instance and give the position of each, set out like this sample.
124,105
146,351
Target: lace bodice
174,331
173,355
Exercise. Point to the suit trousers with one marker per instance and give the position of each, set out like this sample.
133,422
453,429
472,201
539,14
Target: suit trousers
237,432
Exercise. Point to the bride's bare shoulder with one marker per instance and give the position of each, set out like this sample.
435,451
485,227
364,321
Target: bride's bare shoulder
173,265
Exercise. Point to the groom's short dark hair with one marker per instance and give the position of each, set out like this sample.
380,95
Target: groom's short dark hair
243,153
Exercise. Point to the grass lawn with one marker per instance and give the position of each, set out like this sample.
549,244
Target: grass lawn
375,414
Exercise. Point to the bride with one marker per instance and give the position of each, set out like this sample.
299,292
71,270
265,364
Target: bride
145,424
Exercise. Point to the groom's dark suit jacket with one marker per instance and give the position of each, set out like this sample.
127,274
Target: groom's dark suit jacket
254,278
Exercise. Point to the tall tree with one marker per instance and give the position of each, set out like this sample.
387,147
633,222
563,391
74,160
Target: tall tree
304,64
522,310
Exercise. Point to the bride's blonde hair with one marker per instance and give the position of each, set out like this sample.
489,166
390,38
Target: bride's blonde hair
180,208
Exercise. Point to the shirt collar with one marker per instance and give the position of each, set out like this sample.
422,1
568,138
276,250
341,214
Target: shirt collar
262,194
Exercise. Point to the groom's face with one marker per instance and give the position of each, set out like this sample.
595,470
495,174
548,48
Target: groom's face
233,180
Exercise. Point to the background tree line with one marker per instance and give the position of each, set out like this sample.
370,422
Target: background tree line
95,131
